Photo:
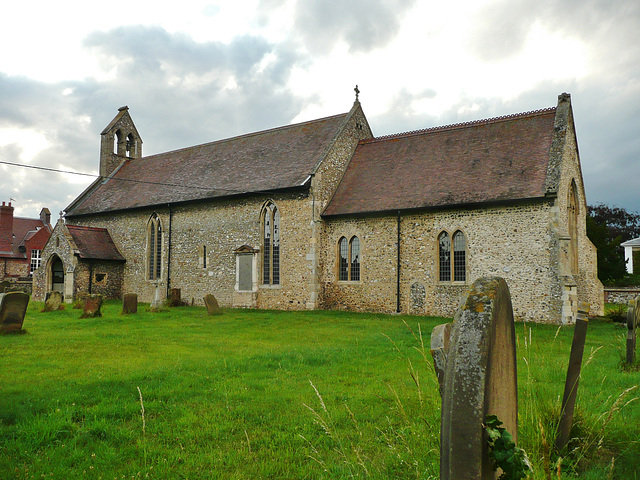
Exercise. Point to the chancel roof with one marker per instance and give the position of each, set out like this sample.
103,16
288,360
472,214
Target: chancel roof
94,243
266,161
494,160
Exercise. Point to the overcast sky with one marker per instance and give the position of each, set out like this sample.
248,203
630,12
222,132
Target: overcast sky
199,71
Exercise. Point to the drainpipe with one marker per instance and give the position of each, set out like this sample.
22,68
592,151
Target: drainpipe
169,251
398,267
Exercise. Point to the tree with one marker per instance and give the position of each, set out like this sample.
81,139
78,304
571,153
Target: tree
607,228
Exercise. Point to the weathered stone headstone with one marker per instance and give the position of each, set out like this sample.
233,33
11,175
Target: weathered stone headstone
212,305
480,379
91,307
175,299
573,376
440,338
4,286
633,320
53,301
129,303
13,306
156,304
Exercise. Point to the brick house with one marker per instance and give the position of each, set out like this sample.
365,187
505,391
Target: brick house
321,214
21,243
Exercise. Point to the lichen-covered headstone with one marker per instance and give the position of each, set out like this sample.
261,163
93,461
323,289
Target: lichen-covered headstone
440,339
91,307
633,319
175,298
573,376
480,379
129,303
13,306
53,301
212,305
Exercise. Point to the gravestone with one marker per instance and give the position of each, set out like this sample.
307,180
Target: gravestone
633,320
4,286
53,301
440,338
175,299
91,306
573,376
480,379
129,303
13,306
212,305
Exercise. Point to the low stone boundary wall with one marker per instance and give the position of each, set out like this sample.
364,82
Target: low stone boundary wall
620,294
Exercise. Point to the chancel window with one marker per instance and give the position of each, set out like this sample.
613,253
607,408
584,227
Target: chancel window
459,257
349,259
452,268
270,245
444,254
154,248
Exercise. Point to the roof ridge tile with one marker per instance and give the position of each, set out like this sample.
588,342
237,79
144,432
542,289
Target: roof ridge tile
454,126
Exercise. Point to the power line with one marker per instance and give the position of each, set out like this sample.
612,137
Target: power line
57,170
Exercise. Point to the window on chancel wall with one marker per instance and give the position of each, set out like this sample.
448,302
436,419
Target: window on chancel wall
349,259
154,248
271,245
452,268
459,257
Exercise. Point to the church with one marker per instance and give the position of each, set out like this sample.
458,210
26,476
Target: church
323,215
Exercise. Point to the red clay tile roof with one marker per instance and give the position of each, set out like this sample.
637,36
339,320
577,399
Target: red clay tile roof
94,243
270,160
22,227
492,160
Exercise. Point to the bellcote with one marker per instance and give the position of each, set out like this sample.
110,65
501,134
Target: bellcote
120,141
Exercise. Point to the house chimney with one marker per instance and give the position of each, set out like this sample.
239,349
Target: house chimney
45,216
6,227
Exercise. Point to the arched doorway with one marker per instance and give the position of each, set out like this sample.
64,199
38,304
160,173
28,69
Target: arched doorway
57,275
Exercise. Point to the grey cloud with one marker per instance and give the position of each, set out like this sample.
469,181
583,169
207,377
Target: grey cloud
363,24
178,92
609,27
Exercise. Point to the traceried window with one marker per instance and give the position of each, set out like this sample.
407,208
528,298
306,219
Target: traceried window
349,259
452,268
271,245
154,248
36,260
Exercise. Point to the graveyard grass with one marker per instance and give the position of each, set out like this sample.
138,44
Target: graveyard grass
300,395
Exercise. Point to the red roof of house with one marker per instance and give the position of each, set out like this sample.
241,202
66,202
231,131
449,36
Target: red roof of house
23,229
500,159
94,243
265,161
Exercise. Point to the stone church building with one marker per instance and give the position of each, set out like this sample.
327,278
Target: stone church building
322,214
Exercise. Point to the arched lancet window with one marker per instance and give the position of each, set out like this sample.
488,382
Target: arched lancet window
349,259
354,267
270,245
459,257
572,220
154,248
452,268
444,254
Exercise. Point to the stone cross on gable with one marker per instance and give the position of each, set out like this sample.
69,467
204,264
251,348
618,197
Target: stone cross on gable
357,92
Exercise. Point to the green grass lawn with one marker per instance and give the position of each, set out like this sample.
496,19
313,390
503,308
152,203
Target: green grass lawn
263,394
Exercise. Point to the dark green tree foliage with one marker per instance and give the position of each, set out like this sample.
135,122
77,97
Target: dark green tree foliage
607,228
